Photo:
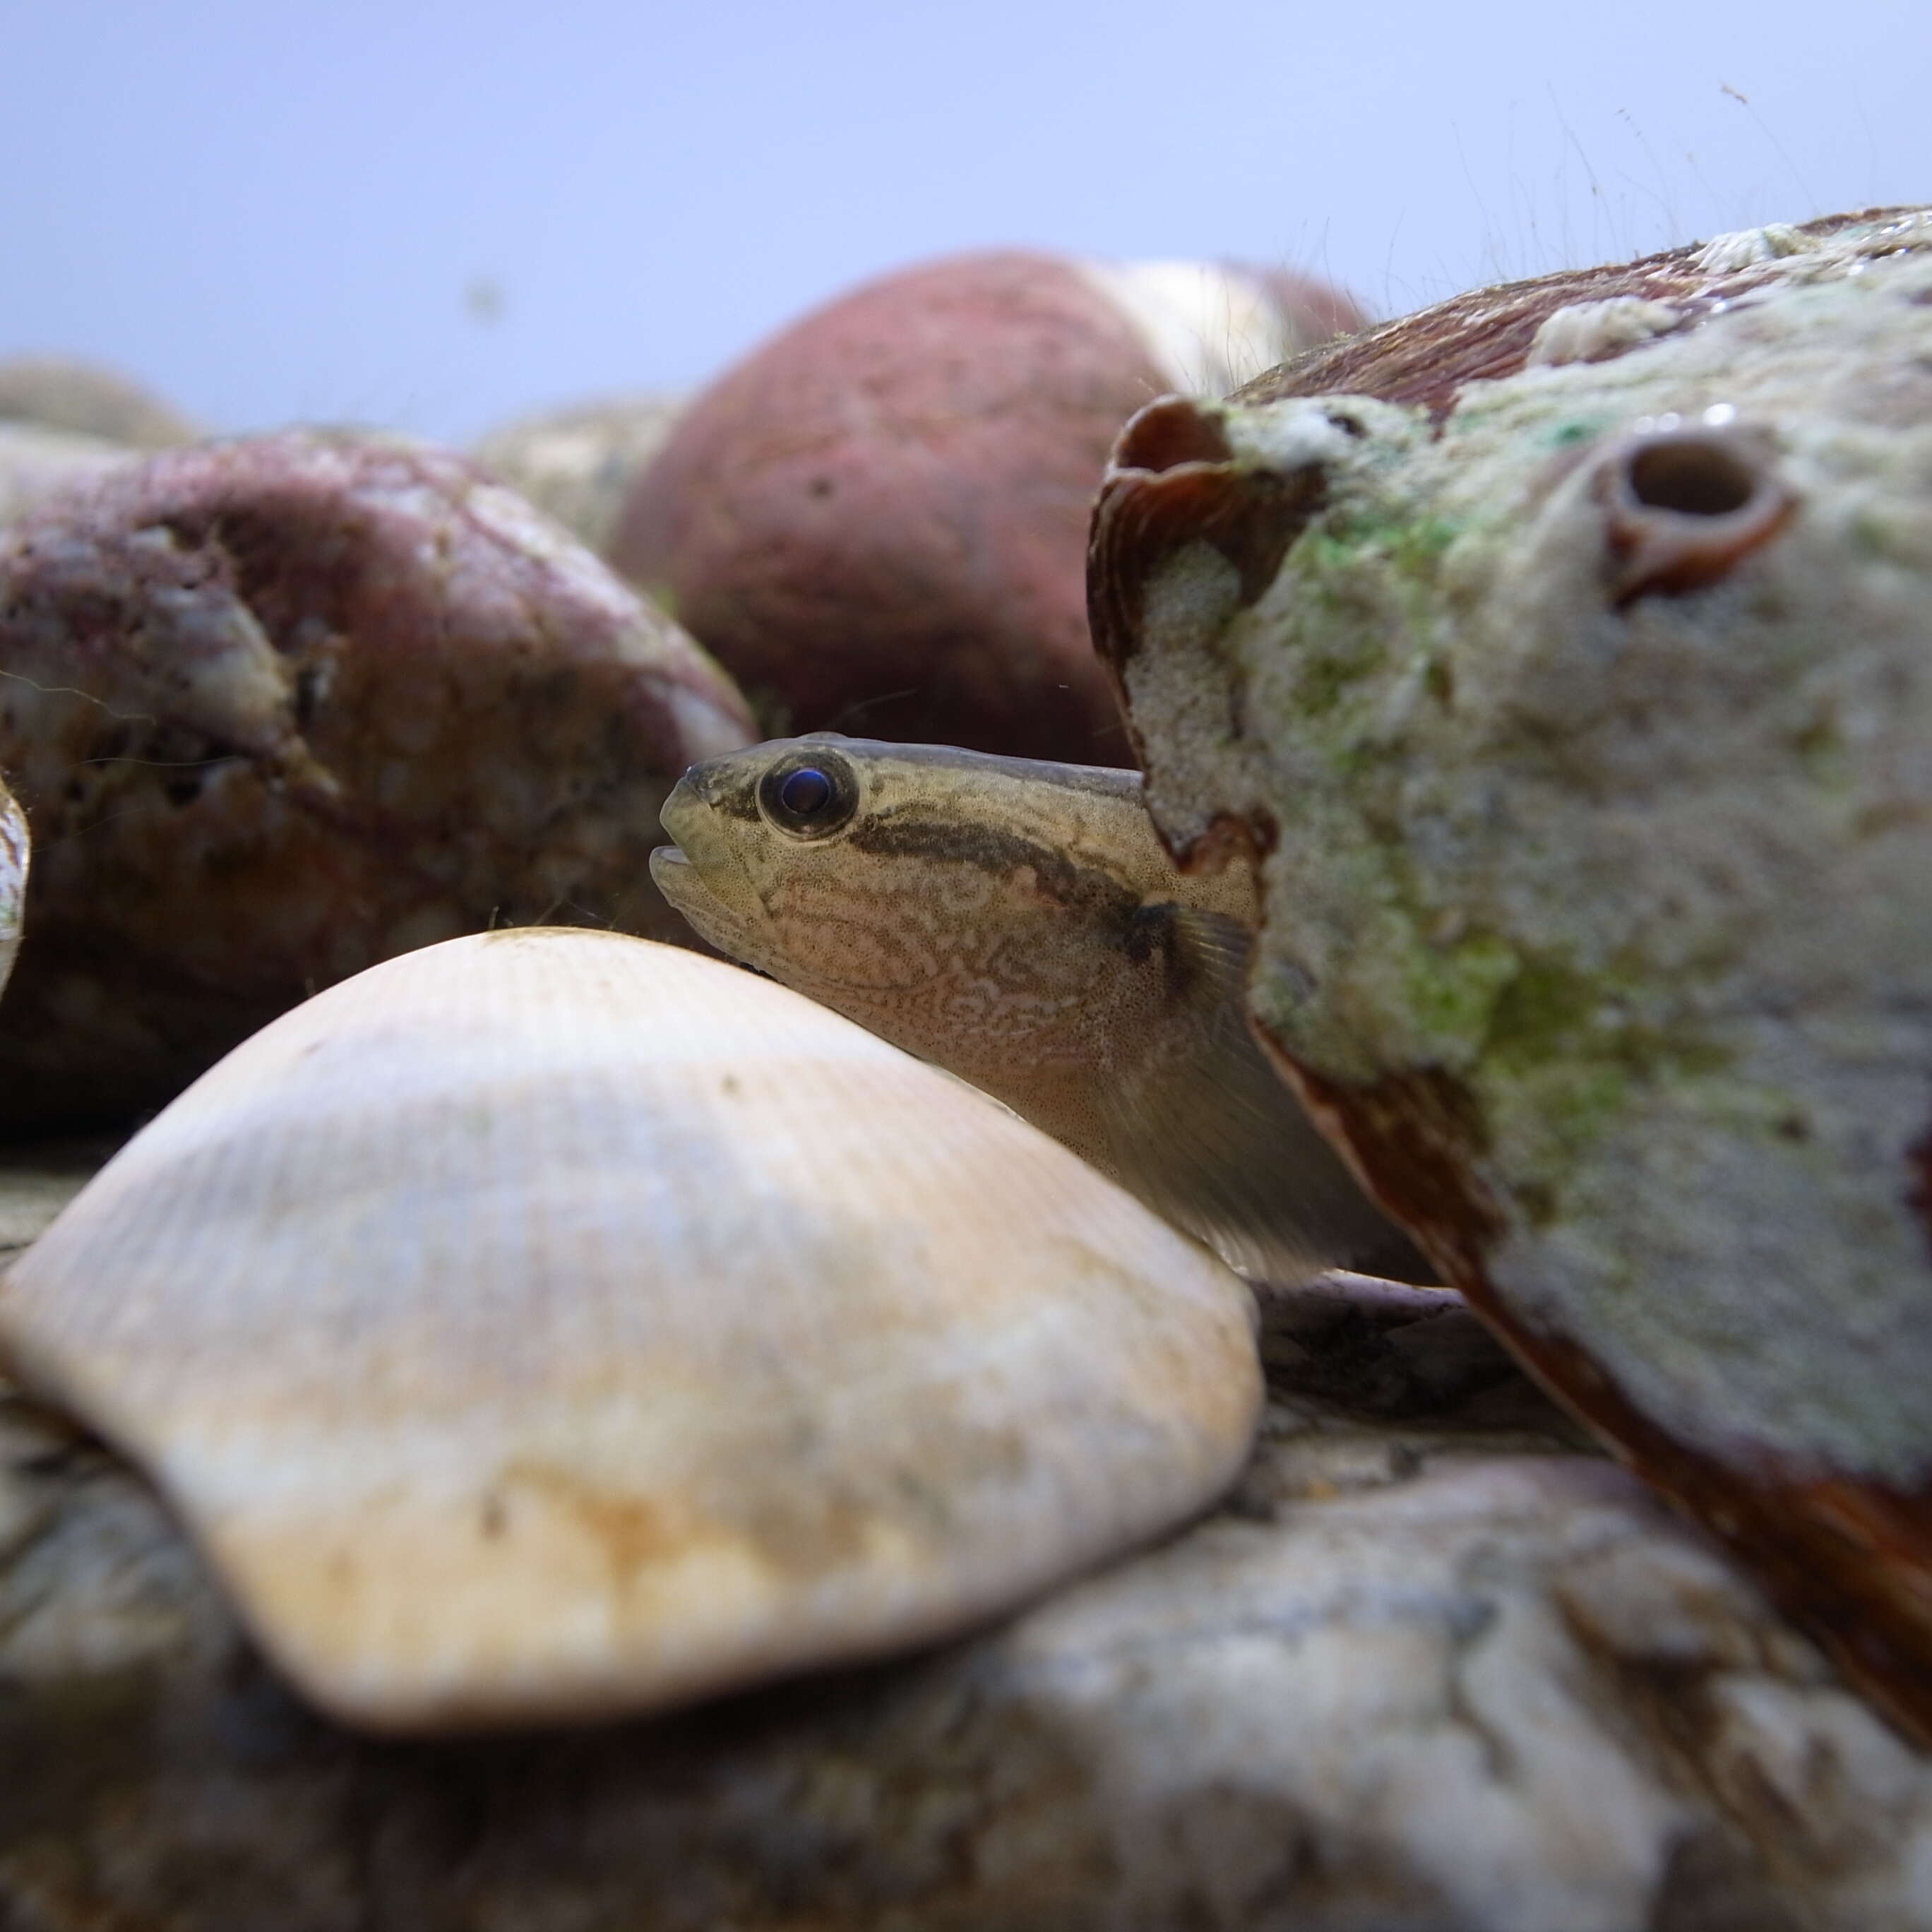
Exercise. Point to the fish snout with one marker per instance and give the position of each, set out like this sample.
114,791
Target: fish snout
702,873
683,800
685,811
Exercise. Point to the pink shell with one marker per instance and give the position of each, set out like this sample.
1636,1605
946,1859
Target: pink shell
877,520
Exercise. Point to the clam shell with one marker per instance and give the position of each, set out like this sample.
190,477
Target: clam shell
553,1324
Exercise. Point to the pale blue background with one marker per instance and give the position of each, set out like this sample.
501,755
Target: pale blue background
437,215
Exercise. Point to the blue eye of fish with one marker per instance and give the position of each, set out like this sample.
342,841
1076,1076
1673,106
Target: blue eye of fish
805,791
811,799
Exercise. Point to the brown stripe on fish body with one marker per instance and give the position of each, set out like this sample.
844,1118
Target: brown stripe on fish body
1095,814
1093,892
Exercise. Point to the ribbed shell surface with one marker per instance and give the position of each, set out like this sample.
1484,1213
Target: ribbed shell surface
554,1325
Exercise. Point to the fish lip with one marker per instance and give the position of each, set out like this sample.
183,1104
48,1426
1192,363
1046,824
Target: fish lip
687,813
675,876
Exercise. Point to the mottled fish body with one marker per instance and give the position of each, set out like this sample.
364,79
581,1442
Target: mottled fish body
1020,924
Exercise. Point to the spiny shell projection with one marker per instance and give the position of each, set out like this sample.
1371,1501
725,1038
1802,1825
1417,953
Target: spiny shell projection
1582,715
875,520
13,850
279,708
549,1325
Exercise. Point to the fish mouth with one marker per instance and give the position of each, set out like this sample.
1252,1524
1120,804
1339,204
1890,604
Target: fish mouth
685,816
690,870
686,893
677,878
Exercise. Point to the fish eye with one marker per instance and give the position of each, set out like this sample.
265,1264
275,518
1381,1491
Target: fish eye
810,796
805,791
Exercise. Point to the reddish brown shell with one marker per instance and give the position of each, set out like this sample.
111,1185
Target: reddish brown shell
1427,358
279,708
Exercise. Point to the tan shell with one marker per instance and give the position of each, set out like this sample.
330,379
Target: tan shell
65,392
554,1324
13,850
577,464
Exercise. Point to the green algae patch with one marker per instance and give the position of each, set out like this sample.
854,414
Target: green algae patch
1452,994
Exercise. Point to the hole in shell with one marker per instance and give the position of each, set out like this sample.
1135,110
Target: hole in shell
1169,433
1694,476
1684,507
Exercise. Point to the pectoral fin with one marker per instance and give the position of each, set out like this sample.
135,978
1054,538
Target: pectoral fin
1200,1127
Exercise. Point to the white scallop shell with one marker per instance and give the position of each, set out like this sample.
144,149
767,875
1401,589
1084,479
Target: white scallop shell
552,1324
14,847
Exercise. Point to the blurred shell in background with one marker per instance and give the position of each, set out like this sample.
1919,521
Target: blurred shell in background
577,464
281,707
35,461
878,520
551,1325
64,392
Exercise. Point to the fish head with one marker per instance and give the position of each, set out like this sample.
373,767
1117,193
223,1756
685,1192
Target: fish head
848,865
1019,923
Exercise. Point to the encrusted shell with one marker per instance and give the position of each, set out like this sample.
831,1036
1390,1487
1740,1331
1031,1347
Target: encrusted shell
553,1324
1573,674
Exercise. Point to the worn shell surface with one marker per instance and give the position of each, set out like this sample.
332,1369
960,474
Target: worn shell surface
876,519
279,708
1571,672
14,851
550,1324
